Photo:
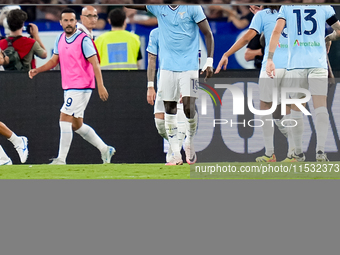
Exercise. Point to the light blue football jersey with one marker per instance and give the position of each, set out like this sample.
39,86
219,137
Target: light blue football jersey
153,47
153,42
178,35
306,34
265,21
87,44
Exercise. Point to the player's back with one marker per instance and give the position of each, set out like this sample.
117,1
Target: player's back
306,34
265,21
178,35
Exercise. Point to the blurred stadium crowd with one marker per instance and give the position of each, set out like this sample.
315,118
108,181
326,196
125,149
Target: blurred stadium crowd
214,9
202,2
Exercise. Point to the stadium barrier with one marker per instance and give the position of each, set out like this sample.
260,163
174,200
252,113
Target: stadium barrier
125,121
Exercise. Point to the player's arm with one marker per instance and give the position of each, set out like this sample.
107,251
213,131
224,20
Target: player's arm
240,43
336,33
331,78
250,54
136,7
274,40
99,78
209,40
151,94
53,62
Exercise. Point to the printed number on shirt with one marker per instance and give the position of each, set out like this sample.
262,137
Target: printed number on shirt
310,13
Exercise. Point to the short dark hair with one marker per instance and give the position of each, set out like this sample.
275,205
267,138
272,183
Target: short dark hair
117,17
67,10
16,19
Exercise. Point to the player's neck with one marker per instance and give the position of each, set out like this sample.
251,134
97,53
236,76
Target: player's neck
70,35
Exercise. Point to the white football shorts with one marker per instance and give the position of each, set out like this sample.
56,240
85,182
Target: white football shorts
313,79
75,102
267,84
173,84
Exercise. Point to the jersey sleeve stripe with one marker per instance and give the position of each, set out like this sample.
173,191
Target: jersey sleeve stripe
91,56
201,21
254,30
155,54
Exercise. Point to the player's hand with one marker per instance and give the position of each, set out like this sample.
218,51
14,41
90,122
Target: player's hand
328,46
270,68
208,67
209,73
103,94
254,8
223,63
32,73
151,95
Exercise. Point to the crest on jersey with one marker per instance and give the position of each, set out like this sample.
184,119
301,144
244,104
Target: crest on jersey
181,13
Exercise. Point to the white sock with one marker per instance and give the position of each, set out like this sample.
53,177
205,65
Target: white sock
290,139
15,140
191,125
66,136
3,154
86,132
297,131
160,125
181,125
171,130
268,134
321,127
281,127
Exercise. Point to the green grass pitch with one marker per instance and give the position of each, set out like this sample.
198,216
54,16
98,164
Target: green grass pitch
160,171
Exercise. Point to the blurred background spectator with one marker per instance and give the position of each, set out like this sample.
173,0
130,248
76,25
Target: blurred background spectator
118,48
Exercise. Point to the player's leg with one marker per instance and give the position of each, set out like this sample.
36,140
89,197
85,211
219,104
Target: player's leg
4,159
181,125
266,85
87,132
160,125
288,123
19,142
318,84
172,132
297,78
71,101
159,115
189,91
283,122
170,96
66,136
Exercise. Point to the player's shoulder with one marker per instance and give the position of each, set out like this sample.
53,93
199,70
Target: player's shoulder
268,12
157,8
59,36
154,32
193,8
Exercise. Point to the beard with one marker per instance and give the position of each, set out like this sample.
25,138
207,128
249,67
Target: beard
68,31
